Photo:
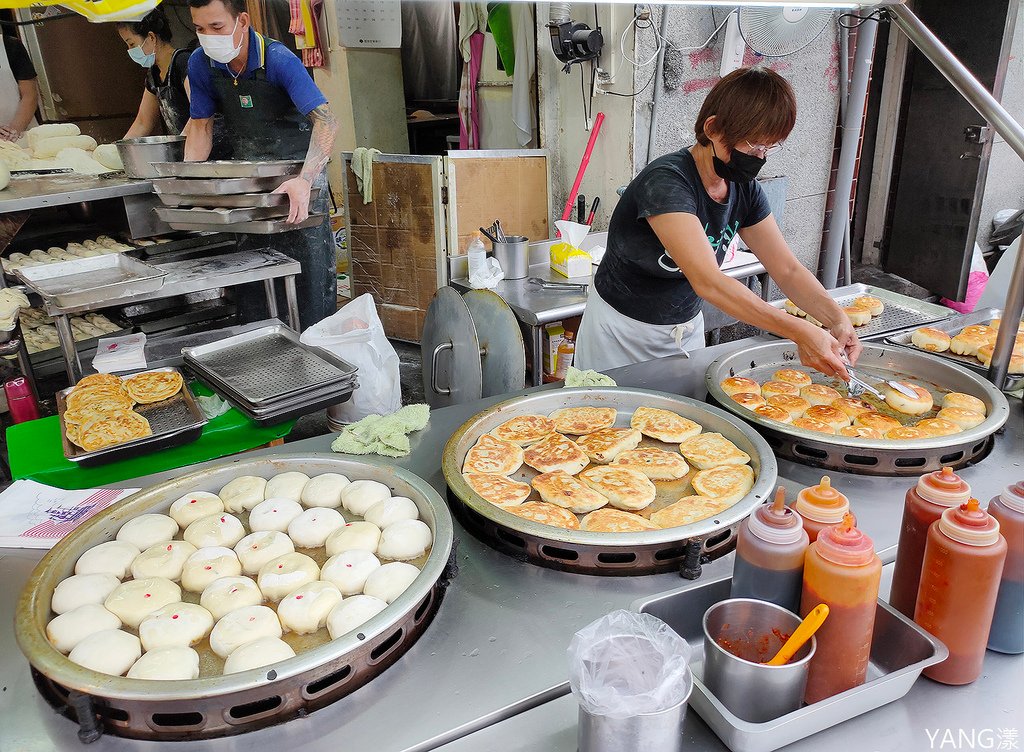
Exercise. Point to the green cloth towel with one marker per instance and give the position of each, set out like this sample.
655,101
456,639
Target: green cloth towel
499,23
590,377
362,166
387,435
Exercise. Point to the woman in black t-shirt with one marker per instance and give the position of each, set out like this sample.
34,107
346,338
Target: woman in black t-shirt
670,231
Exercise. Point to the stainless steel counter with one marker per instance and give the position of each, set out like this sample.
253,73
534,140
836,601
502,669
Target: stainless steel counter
28,193
497,646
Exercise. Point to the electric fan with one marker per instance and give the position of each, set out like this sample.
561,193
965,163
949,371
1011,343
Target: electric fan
783,30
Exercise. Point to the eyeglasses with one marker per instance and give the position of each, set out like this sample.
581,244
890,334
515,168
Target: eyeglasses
763,150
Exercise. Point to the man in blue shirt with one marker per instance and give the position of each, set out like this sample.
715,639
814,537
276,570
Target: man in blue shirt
272,110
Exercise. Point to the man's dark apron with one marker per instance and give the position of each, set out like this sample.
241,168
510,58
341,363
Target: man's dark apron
174,106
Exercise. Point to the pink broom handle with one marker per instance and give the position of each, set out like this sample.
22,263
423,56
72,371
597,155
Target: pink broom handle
583,166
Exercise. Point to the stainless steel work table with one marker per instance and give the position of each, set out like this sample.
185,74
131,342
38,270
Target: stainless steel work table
28,193
497,645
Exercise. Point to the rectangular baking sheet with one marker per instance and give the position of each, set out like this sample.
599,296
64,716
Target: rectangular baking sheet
92,281
228,168
255,227
900,651
174,421
901,311
230,201
218,217
952,326
215,186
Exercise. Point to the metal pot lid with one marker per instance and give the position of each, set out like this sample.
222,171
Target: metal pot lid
452,372
503,354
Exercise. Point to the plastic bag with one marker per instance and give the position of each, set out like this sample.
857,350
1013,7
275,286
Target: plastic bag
626,664
356,334
488,276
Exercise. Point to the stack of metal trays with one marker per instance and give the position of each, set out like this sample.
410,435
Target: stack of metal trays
270,376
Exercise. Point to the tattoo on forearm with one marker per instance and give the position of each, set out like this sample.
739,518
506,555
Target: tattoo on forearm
325,127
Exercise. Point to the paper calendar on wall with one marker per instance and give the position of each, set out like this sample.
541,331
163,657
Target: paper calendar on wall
370,23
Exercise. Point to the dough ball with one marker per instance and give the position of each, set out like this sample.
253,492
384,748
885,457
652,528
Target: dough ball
360,495
67,630
324,490
286,486
166,664
352,613
258,653
256,549
228,594
134,600
191,507
147,530
305,610
242,493
348,570
363,536
312,528
163,560
82,590
404,540
282,575
112,557
858,316
392,510
390,580
274,514
178,625
215,530
109,651
241,626
207,565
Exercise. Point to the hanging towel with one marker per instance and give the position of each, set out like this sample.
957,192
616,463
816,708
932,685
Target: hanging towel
469,107
313,54
472,19
524,116
499,23
362,166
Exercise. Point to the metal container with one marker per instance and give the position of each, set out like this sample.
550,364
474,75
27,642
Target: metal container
750,689
867,456
215,218
235,703
513,256
253,227
649,732
141,155
215,186
231,200
228,168
93,281
900,651
619,554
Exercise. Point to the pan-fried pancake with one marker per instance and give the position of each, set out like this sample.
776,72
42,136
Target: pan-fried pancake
688,510
98,379
709,450
938,427
95,395
624,487
773,413
656,464
859,432
581,420
491,456
498,489
564,490
725,483
810,424
114,430
792,376
876,421
545,514
831,416
525,429
155,386
71,431
905,433
92,412
795,406
615,521
608,443
819,394
740,385
771,389
663,425
853,406
556,452
749,400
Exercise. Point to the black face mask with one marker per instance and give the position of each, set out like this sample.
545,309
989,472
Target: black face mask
742,168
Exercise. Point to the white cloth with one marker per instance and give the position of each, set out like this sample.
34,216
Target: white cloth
472,18
607,339
524,116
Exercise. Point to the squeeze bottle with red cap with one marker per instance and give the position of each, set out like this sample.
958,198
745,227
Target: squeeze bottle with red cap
925,503
842,571
821,506
770,550
963,564
1007,635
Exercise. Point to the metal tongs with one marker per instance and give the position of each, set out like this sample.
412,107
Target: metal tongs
547,285
858,385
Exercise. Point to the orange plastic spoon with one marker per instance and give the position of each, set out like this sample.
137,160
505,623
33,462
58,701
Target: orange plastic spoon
803,633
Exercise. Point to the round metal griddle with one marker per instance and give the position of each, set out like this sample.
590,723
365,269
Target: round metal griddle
606,553
502,351
232,704
868,456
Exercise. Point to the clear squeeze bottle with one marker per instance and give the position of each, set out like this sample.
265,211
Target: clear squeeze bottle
770,550
842,571
963,564
934,493
820,506
1007,635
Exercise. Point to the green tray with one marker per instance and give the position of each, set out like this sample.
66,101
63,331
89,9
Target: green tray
35,450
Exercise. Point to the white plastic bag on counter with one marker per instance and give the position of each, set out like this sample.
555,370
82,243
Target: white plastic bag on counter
356,335
626,664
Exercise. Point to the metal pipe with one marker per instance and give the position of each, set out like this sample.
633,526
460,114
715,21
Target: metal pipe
851,128
659,75
1008,328
958,75
844,95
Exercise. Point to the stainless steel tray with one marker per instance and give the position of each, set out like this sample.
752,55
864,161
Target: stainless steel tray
900,651
255,227
606,553
221,216
268,365
901,311
232,704
174,421
228,168
93,281
867,456
213,187
953,326
227,200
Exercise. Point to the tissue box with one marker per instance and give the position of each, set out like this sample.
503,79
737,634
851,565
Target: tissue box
570,261
554,333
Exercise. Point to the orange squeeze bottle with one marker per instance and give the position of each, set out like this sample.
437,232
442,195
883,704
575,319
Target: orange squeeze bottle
820,506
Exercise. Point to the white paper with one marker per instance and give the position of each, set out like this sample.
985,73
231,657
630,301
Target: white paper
34,515
573,233
127,353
